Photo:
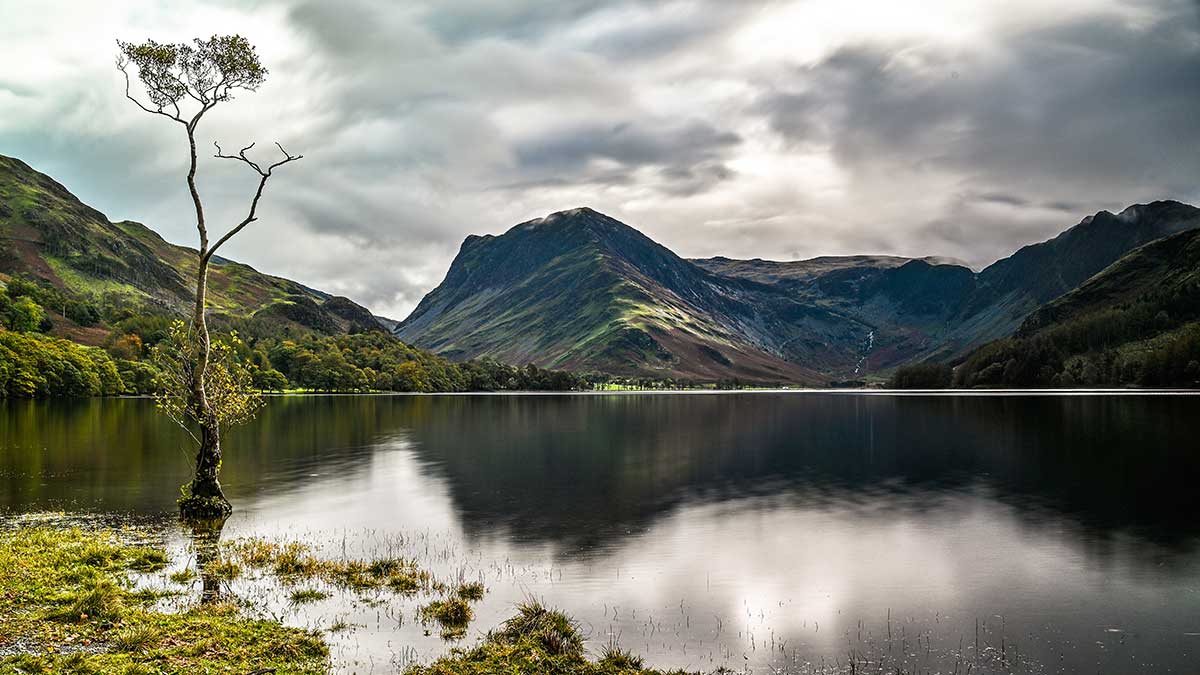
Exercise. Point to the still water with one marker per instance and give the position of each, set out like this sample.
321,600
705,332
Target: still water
768,532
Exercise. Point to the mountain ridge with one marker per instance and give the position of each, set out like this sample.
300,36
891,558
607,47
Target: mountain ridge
836,316
1136,322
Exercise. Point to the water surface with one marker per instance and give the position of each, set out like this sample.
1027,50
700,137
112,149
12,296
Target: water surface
756,530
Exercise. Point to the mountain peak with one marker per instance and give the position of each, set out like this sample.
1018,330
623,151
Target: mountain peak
578,217
1136,214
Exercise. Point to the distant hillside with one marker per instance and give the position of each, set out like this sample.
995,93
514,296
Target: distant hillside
1136,322
1009,289
47,234
580,290
901,307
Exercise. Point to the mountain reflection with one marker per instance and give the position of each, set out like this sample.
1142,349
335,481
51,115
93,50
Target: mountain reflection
579,471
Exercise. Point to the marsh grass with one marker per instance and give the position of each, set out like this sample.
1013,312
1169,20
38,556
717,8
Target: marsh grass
620,659
536,640
66,590
304,596
97,599
225,570
146,560
183,577
293,562
69,590
134,638
472,592
452,614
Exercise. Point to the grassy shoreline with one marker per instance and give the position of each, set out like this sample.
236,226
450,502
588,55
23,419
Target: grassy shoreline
71,603
67,605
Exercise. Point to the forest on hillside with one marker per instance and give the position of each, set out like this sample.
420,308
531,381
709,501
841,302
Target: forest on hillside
34,363
1151,340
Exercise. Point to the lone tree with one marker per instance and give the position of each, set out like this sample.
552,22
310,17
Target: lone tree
182,83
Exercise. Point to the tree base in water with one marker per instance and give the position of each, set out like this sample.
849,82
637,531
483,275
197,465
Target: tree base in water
204,508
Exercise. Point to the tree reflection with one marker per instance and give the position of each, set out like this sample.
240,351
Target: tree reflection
206,544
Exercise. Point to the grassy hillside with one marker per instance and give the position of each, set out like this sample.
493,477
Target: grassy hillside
1137,322
902,305
83,302
1010,289
48,235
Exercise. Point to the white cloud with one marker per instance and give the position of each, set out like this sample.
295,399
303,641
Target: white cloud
772,129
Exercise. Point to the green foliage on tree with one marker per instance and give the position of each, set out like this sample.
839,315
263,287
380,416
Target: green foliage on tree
231,396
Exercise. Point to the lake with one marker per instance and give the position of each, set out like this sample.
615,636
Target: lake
758,531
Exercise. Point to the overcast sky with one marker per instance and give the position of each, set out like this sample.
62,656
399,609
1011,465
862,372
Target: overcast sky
749,129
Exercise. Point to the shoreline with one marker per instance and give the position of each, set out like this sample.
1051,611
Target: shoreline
834,391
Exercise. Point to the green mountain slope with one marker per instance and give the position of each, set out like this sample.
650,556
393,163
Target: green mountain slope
47,234
579,290
1136,322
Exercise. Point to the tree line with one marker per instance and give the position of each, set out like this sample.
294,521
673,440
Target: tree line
35,364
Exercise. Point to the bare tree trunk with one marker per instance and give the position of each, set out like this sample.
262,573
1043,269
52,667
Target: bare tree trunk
205,498
206,484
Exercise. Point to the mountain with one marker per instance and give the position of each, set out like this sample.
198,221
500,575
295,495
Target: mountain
1008,290
1136,322
47,234
580,290
899,306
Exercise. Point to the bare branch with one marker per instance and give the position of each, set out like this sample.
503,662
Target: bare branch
287,158
262,184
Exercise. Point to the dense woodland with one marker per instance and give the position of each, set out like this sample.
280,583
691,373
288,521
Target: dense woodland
36,364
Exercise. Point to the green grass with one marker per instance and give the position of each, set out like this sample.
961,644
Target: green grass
304,596
65,589
453,614
471,591
67,600
79,282
184,576
535,641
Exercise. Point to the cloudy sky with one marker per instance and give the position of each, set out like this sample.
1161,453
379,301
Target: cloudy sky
780,129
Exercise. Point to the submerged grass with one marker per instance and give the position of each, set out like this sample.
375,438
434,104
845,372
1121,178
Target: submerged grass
293,562
66,601
303,596
471,591
453,614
